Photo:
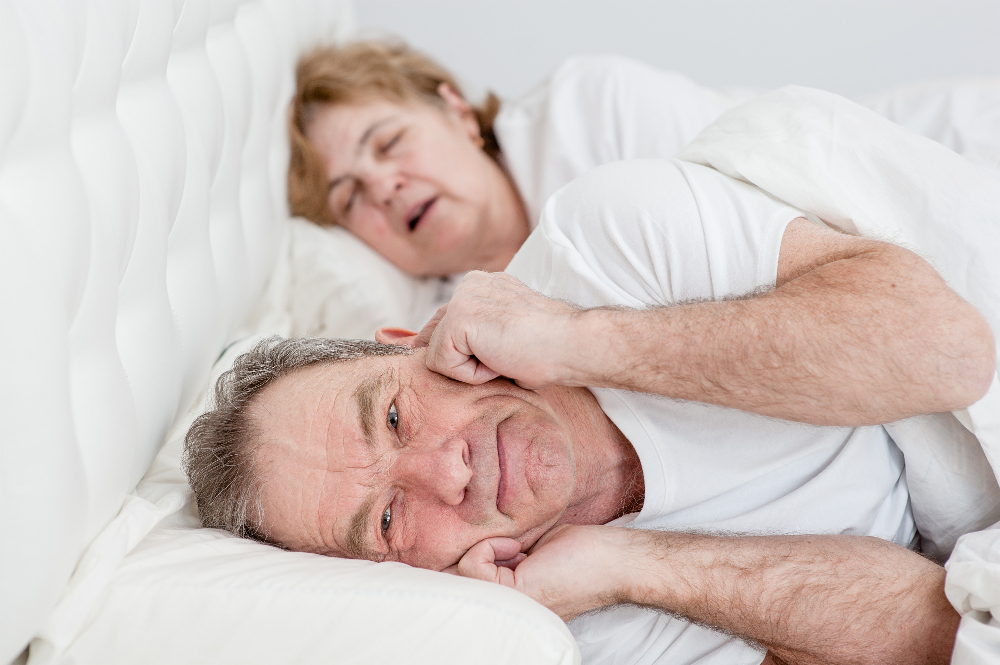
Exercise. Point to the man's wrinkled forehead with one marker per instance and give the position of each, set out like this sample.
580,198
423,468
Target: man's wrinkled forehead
316,401
314,454
366,397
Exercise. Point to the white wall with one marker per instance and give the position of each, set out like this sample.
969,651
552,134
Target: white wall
852,47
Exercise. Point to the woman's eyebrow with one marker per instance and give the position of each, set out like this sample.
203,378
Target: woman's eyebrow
361,144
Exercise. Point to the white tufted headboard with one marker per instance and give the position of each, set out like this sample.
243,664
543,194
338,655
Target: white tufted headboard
142,201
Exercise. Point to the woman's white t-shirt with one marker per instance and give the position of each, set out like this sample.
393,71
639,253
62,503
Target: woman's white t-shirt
661,232
592,110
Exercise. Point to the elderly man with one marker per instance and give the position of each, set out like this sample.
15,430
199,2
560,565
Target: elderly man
739,360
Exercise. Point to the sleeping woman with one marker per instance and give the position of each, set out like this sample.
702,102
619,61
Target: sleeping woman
385,145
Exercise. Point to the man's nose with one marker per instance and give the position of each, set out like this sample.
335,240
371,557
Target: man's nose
443,473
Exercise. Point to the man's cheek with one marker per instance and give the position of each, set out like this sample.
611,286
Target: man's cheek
437,542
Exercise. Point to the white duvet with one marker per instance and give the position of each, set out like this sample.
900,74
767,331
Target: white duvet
861,173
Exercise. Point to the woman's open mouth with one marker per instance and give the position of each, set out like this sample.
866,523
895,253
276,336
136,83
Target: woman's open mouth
418,214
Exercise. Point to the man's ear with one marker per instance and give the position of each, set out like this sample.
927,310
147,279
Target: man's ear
397,336
458,108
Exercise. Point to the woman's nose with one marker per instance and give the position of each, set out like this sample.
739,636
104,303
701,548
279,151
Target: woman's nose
443,473
384,182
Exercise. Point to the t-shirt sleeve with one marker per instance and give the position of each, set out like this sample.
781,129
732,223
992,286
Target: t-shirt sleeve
651,233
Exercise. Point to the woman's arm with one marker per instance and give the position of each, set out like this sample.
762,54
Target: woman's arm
856,332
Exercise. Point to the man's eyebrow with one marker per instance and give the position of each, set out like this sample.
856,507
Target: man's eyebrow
366,399
357,547
361,144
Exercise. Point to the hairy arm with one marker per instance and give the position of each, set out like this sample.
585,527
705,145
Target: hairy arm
856,332
808,599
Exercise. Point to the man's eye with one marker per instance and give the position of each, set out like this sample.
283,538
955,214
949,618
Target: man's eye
386,519
393,416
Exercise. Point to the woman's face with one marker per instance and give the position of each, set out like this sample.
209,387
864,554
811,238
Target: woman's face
411,180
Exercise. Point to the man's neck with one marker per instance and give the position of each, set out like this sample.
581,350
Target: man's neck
609,480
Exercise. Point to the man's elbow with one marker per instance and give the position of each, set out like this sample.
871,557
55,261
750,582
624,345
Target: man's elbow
973,351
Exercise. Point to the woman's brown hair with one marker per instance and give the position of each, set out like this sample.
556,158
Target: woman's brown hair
344,74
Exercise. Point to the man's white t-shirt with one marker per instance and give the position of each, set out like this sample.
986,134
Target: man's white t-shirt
660,232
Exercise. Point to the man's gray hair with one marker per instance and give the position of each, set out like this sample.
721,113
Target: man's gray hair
219,448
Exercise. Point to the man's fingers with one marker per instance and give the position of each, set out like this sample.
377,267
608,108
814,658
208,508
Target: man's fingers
424,336
469,370
547,536
480,562
530,385
451,357
456,361
511,563
482,373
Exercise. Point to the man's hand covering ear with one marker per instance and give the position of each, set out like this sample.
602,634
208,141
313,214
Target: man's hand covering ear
496,326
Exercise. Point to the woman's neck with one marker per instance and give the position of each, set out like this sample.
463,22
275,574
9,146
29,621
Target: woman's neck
510,227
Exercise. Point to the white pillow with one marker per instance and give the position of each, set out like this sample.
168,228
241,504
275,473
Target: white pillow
155,587
342,288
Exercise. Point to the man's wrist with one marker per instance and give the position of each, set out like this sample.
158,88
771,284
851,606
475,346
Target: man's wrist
649,577
623,558
590,358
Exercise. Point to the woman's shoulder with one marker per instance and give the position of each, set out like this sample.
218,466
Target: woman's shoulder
610,68
592,97
595,76
595,109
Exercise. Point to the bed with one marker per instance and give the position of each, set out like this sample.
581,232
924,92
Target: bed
142,200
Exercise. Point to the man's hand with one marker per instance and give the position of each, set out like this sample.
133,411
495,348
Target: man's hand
808,599
571,569
497,326
856,332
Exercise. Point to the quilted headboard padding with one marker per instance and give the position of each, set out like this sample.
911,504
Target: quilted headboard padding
142,166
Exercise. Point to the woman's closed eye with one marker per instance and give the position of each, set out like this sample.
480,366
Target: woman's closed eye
350,199
343,196
390,144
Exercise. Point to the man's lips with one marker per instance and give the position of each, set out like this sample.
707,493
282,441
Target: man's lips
504,489
418,212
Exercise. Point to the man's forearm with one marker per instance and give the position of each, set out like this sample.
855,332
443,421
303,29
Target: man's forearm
808,599
848,343
856,332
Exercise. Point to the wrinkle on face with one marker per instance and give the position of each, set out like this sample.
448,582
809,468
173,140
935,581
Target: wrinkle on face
328,477
365,396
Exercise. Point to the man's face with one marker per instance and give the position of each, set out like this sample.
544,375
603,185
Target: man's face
382,459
